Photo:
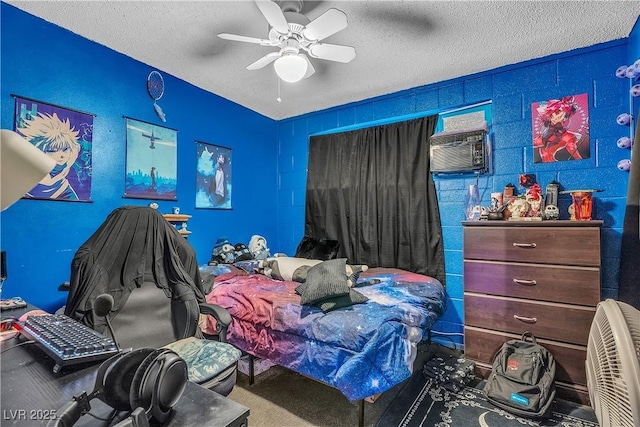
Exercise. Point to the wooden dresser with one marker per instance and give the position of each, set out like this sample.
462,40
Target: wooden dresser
542,277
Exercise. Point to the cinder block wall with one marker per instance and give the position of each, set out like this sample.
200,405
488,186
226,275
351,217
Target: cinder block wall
511,90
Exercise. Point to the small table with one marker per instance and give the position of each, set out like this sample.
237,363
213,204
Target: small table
181,219
32,393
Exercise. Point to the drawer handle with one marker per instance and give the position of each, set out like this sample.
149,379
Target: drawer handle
525,319
524,245
525,282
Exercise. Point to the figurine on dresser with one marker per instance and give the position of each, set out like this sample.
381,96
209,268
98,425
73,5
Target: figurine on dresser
518,208
534,198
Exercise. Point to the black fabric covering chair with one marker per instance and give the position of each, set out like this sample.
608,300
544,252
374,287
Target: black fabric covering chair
151,272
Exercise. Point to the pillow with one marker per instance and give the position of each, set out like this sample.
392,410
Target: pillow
325,280
352,272
288,268
353,297
322,249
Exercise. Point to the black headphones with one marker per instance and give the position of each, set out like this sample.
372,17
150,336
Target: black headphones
146,382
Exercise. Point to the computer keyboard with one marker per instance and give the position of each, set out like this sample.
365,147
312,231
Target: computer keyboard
66,340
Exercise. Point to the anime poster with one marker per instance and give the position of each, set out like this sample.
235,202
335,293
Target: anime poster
152,161
213,176
64,135
561,129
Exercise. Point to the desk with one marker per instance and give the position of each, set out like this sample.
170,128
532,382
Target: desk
15,313
31,392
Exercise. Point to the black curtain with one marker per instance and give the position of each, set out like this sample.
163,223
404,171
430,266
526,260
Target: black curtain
371,190
629,290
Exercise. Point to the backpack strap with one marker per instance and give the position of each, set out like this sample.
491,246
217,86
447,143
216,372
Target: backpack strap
529,334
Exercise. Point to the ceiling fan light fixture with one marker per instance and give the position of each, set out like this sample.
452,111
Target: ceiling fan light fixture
290,67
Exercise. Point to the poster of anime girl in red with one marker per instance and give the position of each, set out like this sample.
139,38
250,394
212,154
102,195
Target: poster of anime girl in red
561,129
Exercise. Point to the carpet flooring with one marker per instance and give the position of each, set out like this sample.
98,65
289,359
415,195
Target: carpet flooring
282,398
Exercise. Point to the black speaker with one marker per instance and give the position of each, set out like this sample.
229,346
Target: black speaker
145,382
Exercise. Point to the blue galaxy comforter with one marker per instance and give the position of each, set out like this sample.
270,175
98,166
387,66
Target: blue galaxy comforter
362,350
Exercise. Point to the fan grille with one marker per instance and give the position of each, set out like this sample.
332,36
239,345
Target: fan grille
613,372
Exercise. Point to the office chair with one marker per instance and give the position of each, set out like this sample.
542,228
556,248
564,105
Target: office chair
151,272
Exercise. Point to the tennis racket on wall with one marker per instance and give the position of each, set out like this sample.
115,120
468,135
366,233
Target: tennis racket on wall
155,87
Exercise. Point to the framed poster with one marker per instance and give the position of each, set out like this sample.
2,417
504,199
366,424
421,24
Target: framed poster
66,136
213,176
561,129
152,161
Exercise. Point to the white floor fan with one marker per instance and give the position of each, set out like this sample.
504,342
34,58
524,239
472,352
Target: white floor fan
613,364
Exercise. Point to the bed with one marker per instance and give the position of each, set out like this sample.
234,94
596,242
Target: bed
363,349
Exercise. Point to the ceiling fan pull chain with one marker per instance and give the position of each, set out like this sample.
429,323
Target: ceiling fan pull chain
278,98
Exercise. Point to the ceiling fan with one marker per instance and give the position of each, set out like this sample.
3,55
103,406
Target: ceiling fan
295,34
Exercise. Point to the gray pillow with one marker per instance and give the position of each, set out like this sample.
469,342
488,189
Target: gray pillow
325,280
352,271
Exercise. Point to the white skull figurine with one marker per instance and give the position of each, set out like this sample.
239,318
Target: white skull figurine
551,212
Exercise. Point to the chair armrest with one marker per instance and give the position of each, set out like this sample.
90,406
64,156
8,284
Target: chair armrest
222,316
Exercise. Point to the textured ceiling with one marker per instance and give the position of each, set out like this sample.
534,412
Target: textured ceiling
399,44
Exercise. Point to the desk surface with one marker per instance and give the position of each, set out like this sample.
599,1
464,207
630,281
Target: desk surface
32,393
15,313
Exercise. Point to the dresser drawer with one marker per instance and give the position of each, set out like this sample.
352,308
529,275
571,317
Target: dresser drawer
561,322
482,345
566,284
548,245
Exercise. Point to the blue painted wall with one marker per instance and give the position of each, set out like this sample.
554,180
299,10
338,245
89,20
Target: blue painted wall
42,61
47,63
512,90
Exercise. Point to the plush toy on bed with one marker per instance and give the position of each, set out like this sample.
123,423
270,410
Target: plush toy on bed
223,252
242,253
258,247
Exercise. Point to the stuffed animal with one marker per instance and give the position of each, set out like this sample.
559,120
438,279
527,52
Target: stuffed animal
223,251
258,247
242,253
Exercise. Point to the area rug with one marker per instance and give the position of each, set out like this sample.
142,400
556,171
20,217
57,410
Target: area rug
421,403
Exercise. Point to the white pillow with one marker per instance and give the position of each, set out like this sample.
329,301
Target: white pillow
288,268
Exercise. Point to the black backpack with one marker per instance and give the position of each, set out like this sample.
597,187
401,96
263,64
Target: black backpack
522,379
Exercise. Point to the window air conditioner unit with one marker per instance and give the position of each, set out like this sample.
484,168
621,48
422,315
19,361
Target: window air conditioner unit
460,151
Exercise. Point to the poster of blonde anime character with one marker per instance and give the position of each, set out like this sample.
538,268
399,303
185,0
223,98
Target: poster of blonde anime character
561,129
213,177
64,135
152,161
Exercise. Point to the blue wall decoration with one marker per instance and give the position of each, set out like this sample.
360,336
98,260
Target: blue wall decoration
561,129
66,136
152,163
214,185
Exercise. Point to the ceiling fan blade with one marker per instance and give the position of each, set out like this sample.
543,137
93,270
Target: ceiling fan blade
274,16
264,61
333,52
330,22
246,39
310,69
